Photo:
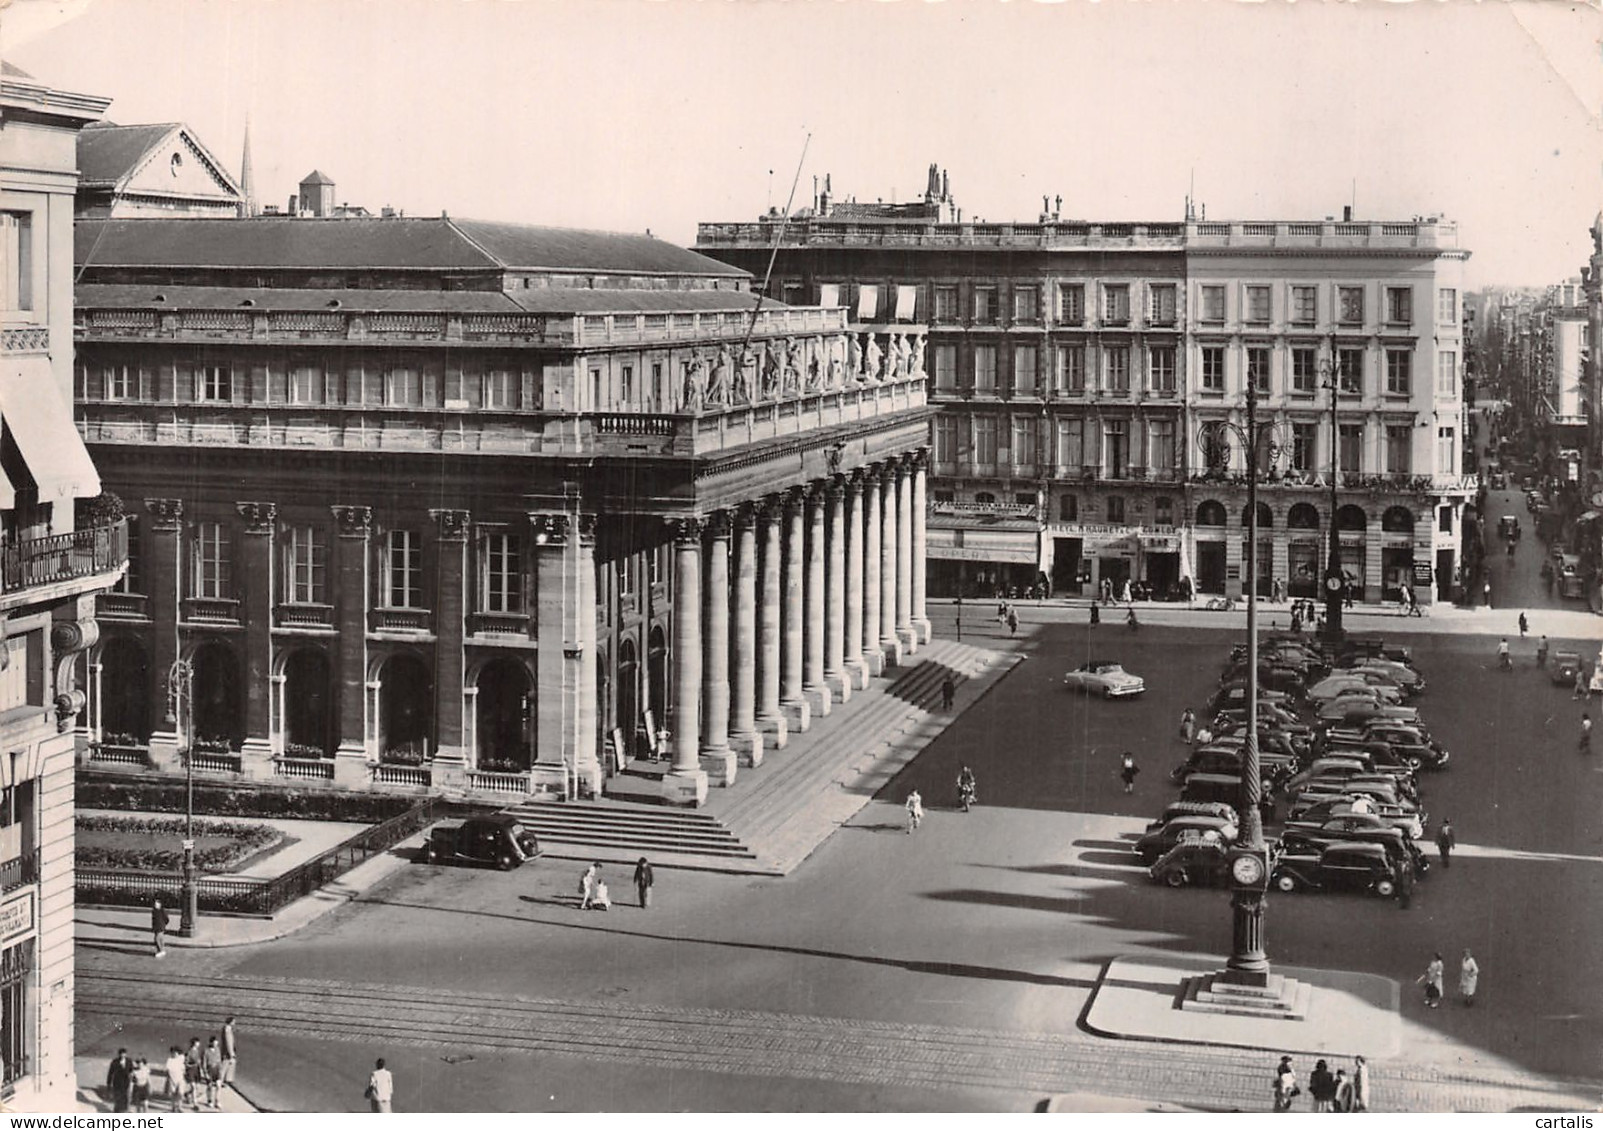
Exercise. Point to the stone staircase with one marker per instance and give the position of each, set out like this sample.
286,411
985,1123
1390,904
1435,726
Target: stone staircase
644,830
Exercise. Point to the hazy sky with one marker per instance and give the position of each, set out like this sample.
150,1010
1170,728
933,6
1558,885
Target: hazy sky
634,114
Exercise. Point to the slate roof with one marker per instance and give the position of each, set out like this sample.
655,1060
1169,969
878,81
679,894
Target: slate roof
316,177
14,71
398,243
108,153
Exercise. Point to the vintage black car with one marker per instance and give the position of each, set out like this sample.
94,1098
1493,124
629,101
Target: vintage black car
1226,759
1234,695
498,841
1339,867
1154,844
1300,840
1195,861
1194,809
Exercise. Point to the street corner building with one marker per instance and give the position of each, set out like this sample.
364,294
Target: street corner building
486,509
61,541
1090,379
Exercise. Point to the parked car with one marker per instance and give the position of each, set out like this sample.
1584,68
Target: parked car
1274,677
1269,714
1193,861
1150,846
1400,848
1194,809
1564,666
1508,527
1339,867
1358,711
1402,675
1234,695
1271,740
1349,682
1227,760
1378,788
499,841
1105,678
1349,764
1317,810
1224,788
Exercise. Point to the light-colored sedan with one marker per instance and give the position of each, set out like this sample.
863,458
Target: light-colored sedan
1104,678
1336,687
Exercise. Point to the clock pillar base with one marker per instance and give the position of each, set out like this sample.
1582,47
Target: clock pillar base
1226,991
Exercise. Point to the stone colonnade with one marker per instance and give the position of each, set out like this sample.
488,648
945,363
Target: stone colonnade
786,605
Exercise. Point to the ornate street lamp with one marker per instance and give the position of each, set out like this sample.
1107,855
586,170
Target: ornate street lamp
181,716
1335,580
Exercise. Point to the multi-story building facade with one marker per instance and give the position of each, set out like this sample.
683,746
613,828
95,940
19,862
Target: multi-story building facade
56,551
1086,376
484,506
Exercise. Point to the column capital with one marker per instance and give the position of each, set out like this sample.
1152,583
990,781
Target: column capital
746,514
686,531
258,517
717,525
869,476
354,522
167,513
549,529
921,459
835,488
453,525
795,500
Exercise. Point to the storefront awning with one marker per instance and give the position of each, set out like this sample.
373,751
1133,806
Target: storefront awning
32,408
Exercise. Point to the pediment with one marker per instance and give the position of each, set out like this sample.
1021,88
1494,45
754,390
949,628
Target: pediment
180,166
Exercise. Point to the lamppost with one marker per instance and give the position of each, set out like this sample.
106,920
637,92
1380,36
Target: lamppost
960,614
181,716
1335,581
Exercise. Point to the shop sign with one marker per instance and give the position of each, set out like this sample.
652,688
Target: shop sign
1352,537
16,917
1095,536
980,554
1160,543
1423,574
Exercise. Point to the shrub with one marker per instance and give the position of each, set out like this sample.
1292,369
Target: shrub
240,841
99,789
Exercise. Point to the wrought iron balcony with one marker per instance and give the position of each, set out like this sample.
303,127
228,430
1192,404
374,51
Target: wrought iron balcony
35,562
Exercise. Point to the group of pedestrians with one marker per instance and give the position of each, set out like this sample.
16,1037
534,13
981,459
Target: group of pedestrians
1469,979
593,895
1327,1090
184,1076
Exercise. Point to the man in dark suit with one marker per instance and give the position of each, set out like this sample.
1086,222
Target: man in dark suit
120,1080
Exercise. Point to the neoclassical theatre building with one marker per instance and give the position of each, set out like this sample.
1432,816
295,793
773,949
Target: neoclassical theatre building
486,507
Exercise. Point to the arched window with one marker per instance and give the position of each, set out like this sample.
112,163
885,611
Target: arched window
1266,517
1351,517
1303,516
1397,520
1211,513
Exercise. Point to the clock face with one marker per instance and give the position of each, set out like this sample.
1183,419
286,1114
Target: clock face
1332,583
1247,869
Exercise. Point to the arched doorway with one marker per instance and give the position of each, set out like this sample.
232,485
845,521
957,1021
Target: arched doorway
307,723
504,716
1211,547
217,715
657,676
406,708
629,696
1302,550
1351,523
124,693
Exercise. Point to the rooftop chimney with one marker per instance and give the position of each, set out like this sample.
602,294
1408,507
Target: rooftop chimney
1347,213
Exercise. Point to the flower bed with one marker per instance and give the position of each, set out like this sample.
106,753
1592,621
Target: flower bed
127,793
155,844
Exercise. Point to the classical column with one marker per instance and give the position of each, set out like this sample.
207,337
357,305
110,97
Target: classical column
816,690
587,718
565,726
162,586
450,610
686,782
770,718
352,527
873,530
856,668
905,632
716,758
838,679
255,586
797,712
921,616
744,738
888,640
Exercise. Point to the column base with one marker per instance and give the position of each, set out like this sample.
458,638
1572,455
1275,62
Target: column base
892,647
819,699
351,769
857,672
685,787
748,748
719,766
798,714
908,635
926,632
840,685
163,751
874,661
776,729
549,778
256,759
450,770
587,779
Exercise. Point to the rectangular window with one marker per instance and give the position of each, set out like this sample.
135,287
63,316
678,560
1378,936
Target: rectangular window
1350,306
1116,304
1162,310
1351,448
1258,367
1071,446
985,444
211,575
1023,444
500,389
1446,451
132,581
1115,450
626,381
1115,508
119,383
1447,306
1163,511
403,570
1213,369
1026,304
1116,370
1071,369
1399,373
1350,366
946,304
1163,453
906,304
16,232
1304,369
1304,305
946,367
305,566
1399,306
1024,374
657,565
503,574
1304,438
1213,303
403,387
1399,448
1160,369
945,439
985,369
306,385
1258,305
1071,304
214,383
867,303
829,294
629,575
1069,508
985,305
1447,373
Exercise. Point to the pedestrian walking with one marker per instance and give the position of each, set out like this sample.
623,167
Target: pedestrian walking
1446,841
1344,1091
587,886
1012,623
1431,979
1405,885
175,1077
141,1088
1204,734
1525,626
1127,772
1586,733
1469,977
1360,1084
211,1071
643,881
915,811
948,693
380,1088
1285,1086
1322,1087
120,1080
230,1051
194,1057
1579,690
1486,591
158,928
1188,725
1541,653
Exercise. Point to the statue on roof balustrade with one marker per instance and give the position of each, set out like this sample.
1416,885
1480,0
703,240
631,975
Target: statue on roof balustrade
833,373
792,374
896,364
695,389
815,367
718,385
742,393
915,366
854,352
771,377
874,359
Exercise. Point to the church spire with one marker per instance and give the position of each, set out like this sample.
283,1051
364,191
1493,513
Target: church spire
247,179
